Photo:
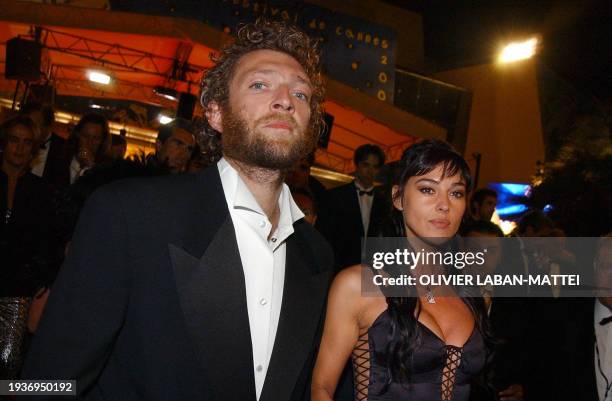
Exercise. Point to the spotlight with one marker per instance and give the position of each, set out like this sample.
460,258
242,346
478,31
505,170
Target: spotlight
164,119
99,77
518,51
167,93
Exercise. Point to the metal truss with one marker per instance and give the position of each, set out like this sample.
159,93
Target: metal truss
123,58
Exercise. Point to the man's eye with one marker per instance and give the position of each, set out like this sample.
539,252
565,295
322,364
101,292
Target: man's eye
258,85
301,96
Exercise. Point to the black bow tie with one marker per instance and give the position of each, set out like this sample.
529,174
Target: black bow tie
368,193
605,320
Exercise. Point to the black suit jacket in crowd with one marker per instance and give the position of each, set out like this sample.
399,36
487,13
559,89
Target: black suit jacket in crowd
581,382
57,165
341,223
151,302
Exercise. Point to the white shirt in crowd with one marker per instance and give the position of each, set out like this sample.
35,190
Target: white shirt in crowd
76,170
365,206
603,338
263,257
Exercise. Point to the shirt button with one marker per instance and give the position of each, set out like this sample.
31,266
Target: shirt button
273,239
259,368
262,224
263,301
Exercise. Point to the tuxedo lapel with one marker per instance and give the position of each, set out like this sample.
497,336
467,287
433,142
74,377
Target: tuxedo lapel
301,311
210,285
353,208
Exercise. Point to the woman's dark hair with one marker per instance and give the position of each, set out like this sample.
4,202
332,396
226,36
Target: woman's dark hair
97,119
423,157
420,159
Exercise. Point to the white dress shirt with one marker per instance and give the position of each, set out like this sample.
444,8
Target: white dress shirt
263,257
603,338
76,170
365,206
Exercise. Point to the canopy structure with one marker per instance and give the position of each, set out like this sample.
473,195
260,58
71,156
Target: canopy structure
142,52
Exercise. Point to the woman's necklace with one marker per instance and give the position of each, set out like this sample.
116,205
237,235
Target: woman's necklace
430,296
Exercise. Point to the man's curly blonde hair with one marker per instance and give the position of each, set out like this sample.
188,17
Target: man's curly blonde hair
265,35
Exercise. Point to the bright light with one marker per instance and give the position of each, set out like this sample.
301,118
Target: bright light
511,209
518,51
99,77
507,226
95,106
163,119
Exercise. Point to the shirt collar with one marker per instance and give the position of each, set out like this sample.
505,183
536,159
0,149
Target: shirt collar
238,196
359,187
601,311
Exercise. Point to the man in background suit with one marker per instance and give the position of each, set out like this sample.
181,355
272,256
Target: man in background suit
206,286
355,210
51,160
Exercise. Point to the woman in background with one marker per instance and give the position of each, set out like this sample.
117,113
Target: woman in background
25,211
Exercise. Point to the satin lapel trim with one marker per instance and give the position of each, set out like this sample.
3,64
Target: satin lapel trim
212,296
303,300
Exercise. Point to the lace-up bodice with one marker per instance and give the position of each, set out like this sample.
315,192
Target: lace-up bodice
439,372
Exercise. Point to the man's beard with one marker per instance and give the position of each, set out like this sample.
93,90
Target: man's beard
255,148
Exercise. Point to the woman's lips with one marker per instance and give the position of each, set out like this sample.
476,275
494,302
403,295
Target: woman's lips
440,223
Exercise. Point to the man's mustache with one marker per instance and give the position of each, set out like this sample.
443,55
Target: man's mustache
272,118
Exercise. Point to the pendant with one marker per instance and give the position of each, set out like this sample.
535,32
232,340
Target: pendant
430,297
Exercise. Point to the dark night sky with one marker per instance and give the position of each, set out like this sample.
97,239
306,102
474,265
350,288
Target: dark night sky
577,36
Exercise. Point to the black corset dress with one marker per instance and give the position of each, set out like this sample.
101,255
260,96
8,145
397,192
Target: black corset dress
438,372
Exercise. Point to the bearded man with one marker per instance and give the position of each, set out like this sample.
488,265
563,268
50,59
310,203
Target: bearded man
206,286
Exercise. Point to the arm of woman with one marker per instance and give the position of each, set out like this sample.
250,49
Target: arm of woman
340,332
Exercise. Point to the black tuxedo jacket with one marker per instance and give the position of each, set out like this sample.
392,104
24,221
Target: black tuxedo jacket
151,304
581,383
341,222
57,166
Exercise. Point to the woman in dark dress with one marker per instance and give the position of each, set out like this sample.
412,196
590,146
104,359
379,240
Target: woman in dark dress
429,344
24,238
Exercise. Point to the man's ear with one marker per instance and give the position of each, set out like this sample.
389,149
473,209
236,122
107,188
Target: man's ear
397,199
214,116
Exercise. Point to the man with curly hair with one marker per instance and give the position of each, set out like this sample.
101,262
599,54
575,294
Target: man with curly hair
206,286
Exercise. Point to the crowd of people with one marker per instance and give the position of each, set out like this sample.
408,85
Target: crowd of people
174,276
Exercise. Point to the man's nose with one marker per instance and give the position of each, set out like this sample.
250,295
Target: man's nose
283,100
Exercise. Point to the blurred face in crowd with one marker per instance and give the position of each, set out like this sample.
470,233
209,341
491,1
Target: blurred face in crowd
176,150
485,210
306,205
367,170
432,204
266,120
91,137
18,147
